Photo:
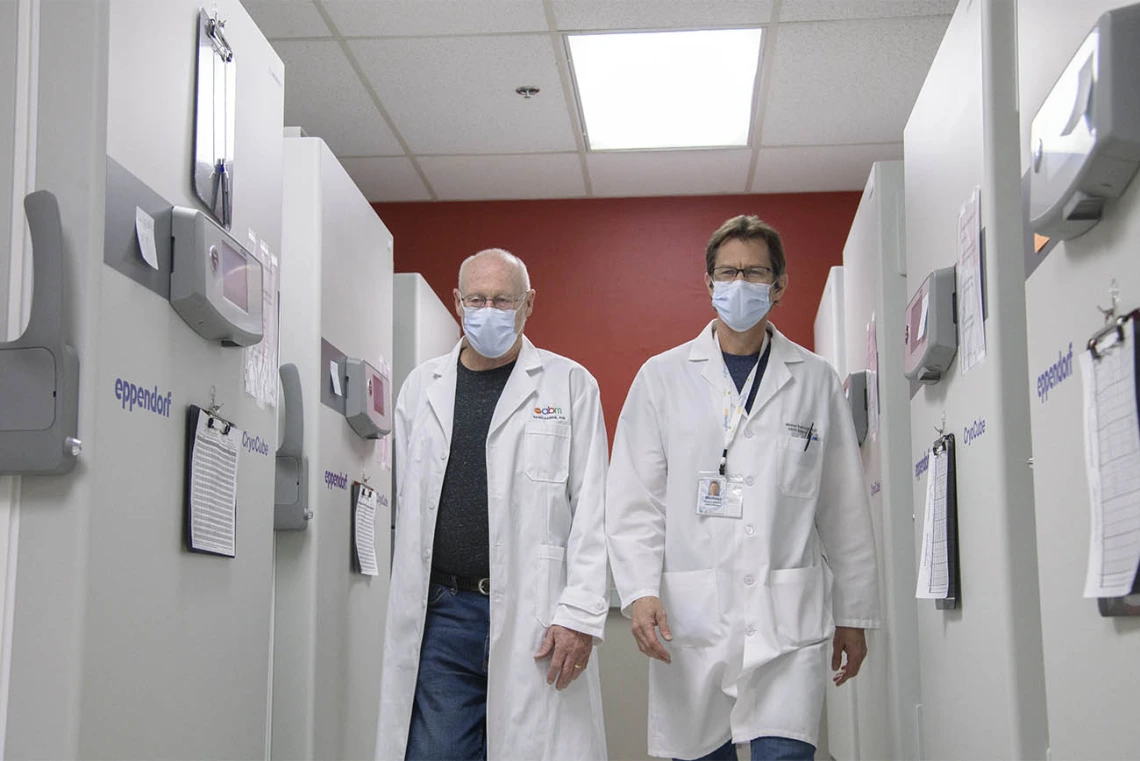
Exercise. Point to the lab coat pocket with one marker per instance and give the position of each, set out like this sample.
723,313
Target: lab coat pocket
691,607
800,601
799,468
546,450
550,579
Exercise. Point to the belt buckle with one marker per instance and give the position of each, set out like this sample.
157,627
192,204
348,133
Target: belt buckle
485,587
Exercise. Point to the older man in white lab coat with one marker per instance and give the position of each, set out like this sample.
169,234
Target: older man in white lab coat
498,586
738,522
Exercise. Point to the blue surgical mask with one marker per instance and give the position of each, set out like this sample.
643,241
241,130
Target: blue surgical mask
740,304
490,331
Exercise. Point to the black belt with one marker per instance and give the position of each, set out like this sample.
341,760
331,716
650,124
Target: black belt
465,583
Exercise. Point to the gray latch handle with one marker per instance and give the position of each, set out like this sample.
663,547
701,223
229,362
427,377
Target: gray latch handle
293,437
45,326
291,490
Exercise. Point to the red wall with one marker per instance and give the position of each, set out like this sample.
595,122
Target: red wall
620,280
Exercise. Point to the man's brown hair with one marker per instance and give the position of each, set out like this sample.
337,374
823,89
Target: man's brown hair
747,227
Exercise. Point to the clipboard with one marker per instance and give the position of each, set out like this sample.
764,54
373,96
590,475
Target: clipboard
939,577
363,529
209,505
944,447
1112,337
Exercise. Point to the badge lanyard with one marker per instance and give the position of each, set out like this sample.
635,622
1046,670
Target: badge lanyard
734,402
718,494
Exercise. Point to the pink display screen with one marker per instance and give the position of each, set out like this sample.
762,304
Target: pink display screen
235,277
378,394
914,321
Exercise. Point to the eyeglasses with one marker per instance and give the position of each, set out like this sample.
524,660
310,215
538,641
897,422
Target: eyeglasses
498,302
751,274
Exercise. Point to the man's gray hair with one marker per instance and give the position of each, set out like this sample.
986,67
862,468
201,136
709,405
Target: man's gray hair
506,256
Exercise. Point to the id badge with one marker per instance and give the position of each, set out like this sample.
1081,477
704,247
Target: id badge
720,496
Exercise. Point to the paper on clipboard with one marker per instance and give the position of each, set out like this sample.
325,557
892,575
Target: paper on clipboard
213,486
934,566
1112,463
365,530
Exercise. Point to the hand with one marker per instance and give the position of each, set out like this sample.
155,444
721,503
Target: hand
648,616
569,652
853,642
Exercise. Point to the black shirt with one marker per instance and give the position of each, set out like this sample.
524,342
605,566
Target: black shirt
740,365
462,531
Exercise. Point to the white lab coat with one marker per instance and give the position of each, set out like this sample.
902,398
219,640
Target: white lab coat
546,464
750,601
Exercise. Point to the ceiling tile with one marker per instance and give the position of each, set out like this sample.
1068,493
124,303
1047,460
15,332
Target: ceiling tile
456,95
659,14
397,18
816,169
287,18
464,178
848,82
663,173
386,179
325,97
828,10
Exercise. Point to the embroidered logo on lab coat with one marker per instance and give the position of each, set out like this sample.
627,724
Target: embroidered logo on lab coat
548,413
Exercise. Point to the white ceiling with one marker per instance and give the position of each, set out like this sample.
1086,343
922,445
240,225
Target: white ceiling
417,97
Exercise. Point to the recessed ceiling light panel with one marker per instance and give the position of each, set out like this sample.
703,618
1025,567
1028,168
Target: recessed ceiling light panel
652,90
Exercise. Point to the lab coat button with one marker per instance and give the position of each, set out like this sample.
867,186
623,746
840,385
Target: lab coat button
748,434
750,480
749,580
749,530
442,456
427,554
750,630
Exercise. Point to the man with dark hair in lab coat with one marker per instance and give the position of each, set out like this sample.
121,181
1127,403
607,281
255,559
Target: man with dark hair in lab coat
743,587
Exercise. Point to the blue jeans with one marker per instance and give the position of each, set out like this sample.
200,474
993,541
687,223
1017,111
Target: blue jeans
766,749
449,711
